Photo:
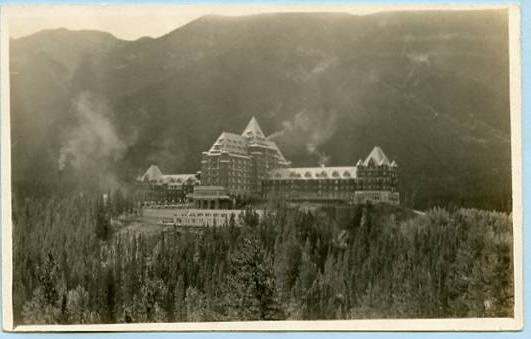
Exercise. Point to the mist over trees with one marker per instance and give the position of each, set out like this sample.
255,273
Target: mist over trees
430,88
366,262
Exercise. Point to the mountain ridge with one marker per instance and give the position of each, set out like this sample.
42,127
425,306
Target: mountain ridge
434,95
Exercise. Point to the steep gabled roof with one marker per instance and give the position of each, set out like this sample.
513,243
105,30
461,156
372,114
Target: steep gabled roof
152,174
229,142
253,132
271,144
378,157
254,136
237,144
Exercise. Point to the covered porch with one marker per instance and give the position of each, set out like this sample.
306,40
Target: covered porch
211,197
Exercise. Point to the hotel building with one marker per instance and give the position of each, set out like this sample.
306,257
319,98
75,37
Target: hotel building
247,167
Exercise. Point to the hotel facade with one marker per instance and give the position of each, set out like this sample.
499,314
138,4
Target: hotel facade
244,168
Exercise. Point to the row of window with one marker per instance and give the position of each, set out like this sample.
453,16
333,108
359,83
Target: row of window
239,187
308,182
376,180
323,174
325,188
377,196
238,174
315,195
377,173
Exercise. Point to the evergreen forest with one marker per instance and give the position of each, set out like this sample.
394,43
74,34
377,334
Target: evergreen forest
75,262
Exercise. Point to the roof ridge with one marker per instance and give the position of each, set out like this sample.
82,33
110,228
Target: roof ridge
378,156
253,129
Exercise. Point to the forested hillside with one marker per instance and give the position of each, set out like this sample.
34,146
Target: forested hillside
430,88
73,265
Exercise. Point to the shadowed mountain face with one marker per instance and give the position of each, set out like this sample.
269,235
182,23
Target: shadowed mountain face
430,88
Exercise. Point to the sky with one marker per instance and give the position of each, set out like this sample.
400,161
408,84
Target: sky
131,22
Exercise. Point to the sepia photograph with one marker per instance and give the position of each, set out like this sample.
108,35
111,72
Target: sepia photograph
261,167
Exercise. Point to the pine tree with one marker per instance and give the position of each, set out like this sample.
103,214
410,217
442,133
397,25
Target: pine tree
45,307
179,313
287,263
110,296
77,307
195,305
48,279
119,203
308,268
103,223
251,283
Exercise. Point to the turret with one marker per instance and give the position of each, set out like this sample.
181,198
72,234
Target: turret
377,157
253,131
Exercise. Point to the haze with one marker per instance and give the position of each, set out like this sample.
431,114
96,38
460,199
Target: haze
131,22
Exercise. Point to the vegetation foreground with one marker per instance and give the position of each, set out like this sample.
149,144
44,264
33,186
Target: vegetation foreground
71,266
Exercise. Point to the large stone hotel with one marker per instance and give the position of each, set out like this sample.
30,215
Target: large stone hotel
243,168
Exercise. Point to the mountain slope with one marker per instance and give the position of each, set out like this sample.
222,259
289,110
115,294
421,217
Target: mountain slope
431,88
